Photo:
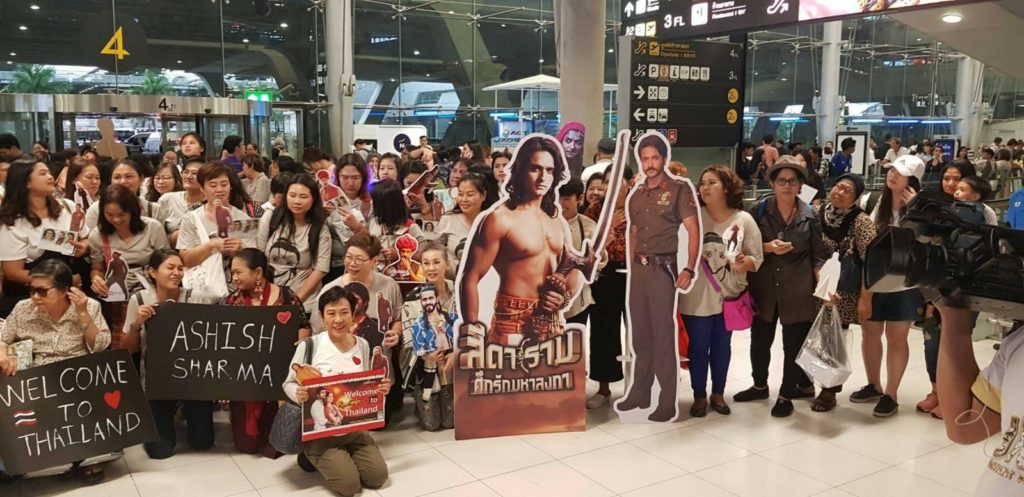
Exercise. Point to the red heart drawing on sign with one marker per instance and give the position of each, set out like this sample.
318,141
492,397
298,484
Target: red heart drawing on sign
284,317
357,360
113,399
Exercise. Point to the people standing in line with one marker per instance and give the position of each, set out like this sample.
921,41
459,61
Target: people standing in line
165,271
846,230
297,240
29,209
348,462
253,279
783,287
256,184
727,260
892,313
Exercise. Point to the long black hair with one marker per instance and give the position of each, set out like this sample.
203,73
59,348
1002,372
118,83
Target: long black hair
356,161
16,203
884,216
389,204
516,186
282,217
255,258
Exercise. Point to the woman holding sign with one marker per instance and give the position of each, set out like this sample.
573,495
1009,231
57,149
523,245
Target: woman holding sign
297,240
253,278
30,208
165,272
61,321
124,237
352,461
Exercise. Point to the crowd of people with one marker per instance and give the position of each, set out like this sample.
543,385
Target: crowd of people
326,227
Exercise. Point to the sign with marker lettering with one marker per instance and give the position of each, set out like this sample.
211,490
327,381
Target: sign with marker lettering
215,352
72,410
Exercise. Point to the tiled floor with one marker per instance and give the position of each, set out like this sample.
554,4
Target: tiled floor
840,454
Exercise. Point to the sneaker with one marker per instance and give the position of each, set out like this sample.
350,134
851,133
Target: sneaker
865,395
886,407
597,400
929,404
752,393
783,408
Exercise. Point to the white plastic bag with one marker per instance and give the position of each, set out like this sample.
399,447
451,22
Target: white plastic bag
824,354
208,277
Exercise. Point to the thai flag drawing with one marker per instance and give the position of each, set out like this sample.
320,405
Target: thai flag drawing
24,418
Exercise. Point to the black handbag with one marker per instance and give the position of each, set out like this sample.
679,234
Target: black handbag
286,432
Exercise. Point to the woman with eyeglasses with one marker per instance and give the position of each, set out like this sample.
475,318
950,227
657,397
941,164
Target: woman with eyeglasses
164,271
848,230
166,179
783,287
361,256
120,248
62,323
178,204
29,209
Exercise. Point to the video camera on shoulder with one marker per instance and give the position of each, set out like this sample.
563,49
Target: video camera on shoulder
943,248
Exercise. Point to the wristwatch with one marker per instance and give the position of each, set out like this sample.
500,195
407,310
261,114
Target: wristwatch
688,270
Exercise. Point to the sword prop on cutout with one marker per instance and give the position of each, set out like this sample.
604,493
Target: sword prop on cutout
604,221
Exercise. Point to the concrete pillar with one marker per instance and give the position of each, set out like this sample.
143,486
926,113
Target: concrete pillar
340,87
579,38
828,111
968,100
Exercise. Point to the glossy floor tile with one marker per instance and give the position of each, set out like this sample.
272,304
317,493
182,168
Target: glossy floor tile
843,453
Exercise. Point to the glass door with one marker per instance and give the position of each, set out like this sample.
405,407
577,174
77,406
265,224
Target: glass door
286,123
173,127
216,129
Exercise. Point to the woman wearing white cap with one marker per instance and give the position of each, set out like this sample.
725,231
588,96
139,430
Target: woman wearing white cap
891,313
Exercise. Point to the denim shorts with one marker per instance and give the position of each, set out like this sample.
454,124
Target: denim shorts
907,305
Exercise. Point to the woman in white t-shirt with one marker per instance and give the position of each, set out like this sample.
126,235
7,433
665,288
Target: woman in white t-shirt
732,248
352,461
127,173
178,204
455,225
29,208
297,241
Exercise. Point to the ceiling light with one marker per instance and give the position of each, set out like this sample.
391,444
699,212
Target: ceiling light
611,50
245,40
33,7
10,62
415,52
504,25
284,25
785,79
428,74
179,62
541,61
952,18
13,54
23,27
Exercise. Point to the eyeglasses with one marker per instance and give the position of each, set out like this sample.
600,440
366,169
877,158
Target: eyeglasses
842,189
356,260
189,172
787,182
39,291
163,178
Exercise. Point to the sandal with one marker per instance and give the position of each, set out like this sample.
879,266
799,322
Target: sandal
92,474
825,402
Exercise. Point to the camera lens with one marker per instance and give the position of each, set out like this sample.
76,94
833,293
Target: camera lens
897,261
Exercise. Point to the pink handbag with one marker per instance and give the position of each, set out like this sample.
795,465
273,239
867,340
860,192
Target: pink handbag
738,312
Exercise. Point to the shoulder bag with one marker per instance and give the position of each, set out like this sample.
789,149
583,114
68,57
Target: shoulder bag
208,276
738,312
286,432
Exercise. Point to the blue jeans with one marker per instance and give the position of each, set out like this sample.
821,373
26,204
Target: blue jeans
710,343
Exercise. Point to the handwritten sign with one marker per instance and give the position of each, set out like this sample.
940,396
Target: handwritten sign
211,352
343,403
72,410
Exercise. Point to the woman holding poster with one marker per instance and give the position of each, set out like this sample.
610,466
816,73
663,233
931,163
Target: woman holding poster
165,272
62,323
351,461
253,278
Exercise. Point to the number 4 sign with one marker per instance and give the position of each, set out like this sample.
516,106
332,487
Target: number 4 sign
115,46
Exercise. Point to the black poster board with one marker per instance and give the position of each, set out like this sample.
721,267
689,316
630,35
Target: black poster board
72,410
216,352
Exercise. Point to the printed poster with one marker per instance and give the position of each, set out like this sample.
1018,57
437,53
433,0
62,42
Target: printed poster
344,403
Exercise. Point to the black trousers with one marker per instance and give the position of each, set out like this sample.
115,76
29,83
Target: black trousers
609,292
762,335
198,417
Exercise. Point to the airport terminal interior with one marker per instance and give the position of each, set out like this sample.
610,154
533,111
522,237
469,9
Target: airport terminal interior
846,176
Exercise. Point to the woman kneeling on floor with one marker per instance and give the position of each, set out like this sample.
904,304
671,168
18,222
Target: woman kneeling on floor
352,461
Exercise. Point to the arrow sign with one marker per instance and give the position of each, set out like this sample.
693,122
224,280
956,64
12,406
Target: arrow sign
628,9
638,115
639,92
